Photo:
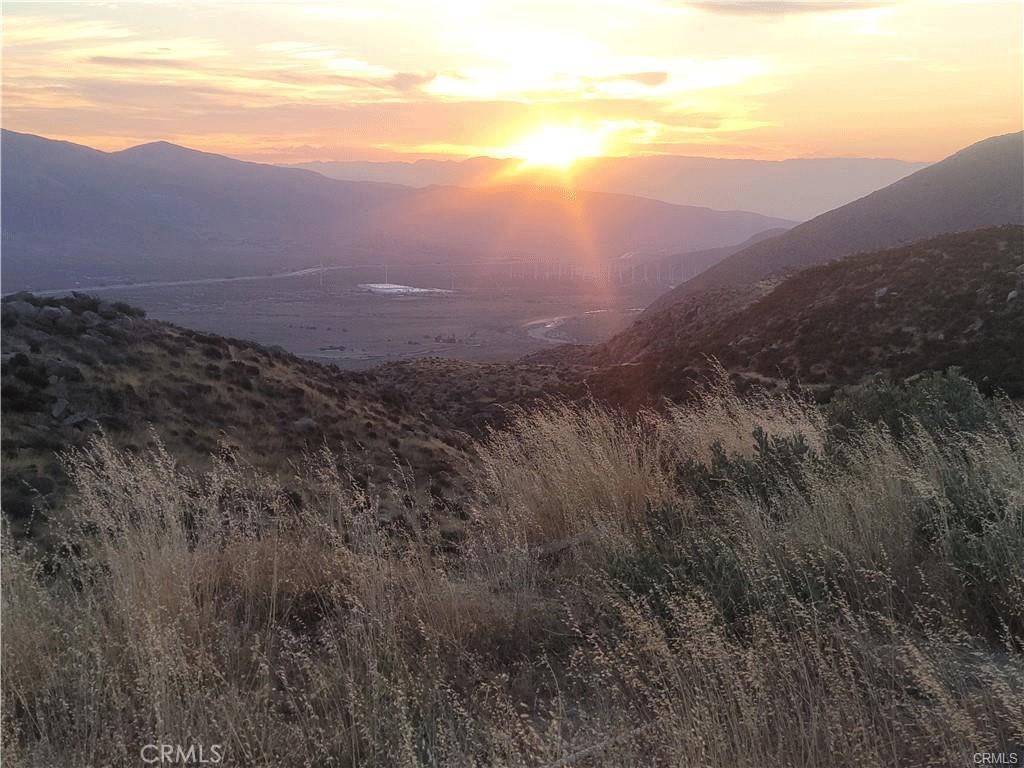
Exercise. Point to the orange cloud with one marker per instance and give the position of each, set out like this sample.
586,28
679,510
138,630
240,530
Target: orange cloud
767,79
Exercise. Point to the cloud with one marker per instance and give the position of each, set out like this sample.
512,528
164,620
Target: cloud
648,78
49,32
782,7
408,81
134,61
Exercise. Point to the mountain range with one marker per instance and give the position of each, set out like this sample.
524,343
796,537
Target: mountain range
979,186
791,189
75,215
766,310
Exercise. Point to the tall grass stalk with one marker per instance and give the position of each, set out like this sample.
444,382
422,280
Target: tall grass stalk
659,590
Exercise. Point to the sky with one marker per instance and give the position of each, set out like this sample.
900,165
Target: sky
393,79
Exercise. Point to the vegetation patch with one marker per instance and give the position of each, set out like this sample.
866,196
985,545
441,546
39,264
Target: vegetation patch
744,580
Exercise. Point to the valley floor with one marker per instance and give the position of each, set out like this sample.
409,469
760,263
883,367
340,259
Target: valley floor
355,326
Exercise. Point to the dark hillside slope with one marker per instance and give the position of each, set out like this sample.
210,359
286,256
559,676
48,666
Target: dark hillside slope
954,300
76,365
73,366
980,186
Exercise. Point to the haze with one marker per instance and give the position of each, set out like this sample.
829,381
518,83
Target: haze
400,80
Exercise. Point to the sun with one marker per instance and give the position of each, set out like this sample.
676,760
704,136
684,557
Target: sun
558,147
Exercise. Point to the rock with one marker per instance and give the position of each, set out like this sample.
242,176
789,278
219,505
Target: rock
59,407
1012,296
125,323
881,292
107,310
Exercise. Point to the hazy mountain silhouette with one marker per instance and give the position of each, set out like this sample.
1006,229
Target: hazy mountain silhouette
793,189
160,211
980,186
692,263
515,220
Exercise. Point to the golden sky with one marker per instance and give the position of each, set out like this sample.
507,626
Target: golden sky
381,79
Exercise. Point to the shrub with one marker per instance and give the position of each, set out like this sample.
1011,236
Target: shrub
938,402
731,583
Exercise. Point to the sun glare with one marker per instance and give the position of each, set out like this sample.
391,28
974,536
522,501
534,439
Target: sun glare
558,147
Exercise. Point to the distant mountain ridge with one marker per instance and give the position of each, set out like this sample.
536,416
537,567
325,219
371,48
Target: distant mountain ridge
692,263
979,186
794,189
163,212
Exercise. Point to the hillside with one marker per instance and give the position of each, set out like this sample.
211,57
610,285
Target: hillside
793,189
980,186
353,579
75,366
954,300
74,216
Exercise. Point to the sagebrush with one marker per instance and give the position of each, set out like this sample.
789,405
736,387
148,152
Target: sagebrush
741,581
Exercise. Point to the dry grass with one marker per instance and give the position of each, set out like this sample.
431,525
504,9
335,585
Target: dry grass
563,471
627,596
